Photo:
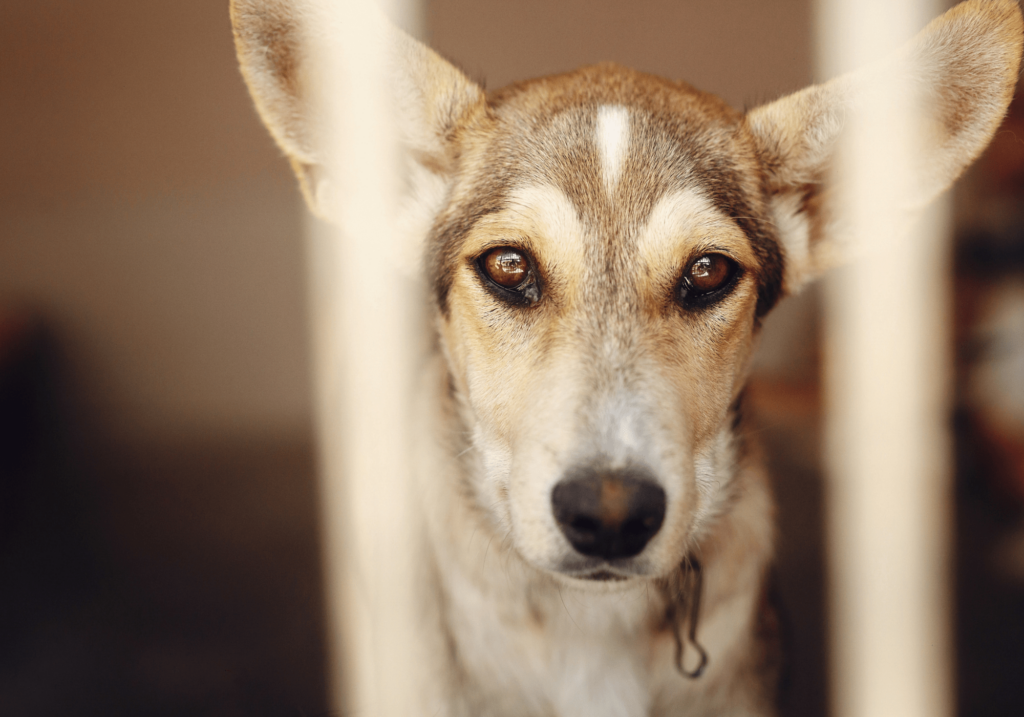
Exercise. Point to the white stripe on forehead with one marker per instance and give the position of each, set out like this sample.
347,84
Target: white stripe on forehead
612,141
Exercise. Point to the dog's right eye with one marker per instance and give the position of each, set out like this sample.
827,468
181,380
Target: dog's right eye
506,267
510,275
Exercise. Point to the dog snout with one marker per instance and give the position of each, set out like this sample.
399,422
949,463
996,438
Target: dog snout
608,513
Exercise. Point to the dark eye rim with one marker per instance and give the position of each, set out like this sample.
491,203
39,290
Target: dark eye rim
527,293
693,299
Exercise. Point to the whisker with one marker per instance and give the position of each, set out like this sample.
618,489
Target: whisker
566,608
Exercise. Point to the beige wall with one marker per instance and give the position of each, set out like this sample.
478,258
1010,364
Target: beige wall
146,214
747,51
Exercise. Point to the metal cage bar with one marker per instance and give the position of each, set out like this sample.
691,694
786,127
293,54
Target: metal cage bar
888,484
365,353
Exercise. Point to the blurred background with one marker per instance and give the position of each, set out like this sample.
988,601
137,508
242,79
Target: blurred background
158,517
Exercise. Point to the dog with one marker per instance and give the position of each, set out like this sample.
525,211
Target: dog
602,247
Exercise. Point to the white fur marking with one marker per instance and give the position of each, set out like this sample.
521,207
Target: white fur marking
612,141
687,212
554,221
795,233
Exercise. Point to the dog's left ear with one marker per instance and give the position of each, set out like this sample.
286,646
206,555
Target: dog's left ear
277,42
966,63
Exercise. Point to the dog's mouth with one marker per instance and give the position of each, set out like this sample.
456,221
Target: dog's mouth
595,570
602,576
601,573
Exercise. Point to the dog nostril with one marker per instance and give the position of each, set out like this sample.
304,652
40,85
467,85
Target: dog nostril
635,526
586,524
608,514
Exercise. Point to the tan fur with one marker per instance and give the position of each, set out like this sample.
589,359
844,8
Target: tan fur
610,367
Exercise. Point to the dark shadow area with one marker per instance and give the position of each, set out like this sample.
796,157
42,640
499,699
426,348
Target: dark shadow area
787,426
990,605
181,580
989,427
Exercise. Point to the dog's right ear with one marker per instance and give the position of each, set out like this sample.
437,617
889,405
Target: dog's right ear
275,40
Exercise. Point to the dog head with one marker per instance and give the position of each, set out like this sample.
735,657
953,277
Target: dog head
602,247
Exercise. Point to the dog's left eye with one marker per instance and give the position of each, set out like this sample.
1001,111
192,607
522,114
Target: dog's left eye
706,279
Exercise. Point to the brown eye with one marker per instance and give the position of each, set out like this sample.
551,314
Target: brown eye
709,272
705,278
506,267
510,275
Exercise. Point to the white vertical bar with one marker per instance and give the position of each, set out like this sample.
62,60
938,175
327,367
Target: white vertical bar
888,480
365,351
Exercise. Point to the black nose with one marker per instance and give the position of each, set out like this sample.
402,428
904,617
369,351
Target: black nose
608,514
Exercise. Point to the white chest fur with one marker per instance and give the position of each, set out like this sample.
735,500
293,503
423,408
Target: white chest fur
539,648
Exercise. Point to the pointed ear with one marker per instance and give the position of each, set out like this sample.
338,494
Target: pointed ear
275,40
965,62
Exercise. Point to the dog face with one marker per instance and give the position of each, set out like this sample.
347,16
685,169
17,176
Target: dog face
598,301
602,246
